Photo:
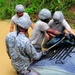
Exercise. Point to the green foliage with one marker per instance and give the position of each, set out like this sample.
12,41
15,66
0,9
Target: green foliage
6,13
70,17
31,10
33,6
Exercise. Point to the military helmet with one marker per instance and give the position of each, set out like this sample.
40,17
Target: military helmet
58,15
19,8
24,22
44,14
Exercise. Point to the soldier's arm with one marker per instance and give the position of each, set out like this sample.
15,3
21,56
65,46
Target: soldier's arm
11,27
31,51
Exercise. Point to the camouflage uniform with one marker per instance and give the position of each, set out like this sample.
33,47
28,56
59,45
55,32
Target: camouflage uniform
21,51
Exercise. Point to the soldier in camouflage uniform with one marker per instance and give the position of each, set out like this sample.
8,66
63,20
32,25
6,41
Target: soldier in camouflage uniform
20,50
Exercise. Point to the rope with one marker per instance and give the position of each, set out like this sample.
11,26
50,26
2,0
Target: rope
55,44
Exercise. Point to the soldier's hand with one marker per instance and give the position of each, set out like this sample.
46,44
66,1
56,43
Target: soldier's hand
44,52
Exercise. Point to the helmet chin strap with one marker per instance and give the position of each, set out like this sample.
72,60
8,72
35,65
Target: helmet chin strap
57,23
22,30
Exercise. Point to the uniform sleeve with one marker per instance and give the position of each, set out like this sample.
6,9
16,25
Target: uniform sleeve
10,41
12,22
50,23
7,48
66,25
30,50
26,15
43,27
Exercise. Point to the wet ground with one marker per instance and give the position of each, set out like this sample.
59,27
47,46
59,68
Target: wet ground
5,64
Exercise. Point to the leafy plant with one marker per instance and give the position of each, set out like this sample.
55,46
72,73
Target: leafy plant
33,6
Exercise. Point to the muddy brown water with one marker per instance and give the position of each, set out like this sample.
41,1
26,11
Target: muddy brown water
5,63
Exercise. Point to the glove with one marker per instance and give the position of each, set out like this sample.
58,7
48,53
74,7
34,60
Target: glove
44,52
67,36
63,33
72,36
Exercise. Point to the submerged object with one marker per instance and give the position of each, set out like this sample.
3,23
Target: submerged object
60,59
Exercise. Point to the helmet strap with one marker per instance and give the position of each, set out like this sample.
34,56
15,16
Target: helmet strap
45,20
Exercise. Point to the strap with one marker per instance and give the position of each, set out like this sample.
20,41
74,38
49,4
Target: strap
56,43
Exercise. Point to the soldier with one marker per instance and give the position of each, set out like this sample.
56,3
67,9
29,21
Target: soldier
20,49
58,23
41,28
19,9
